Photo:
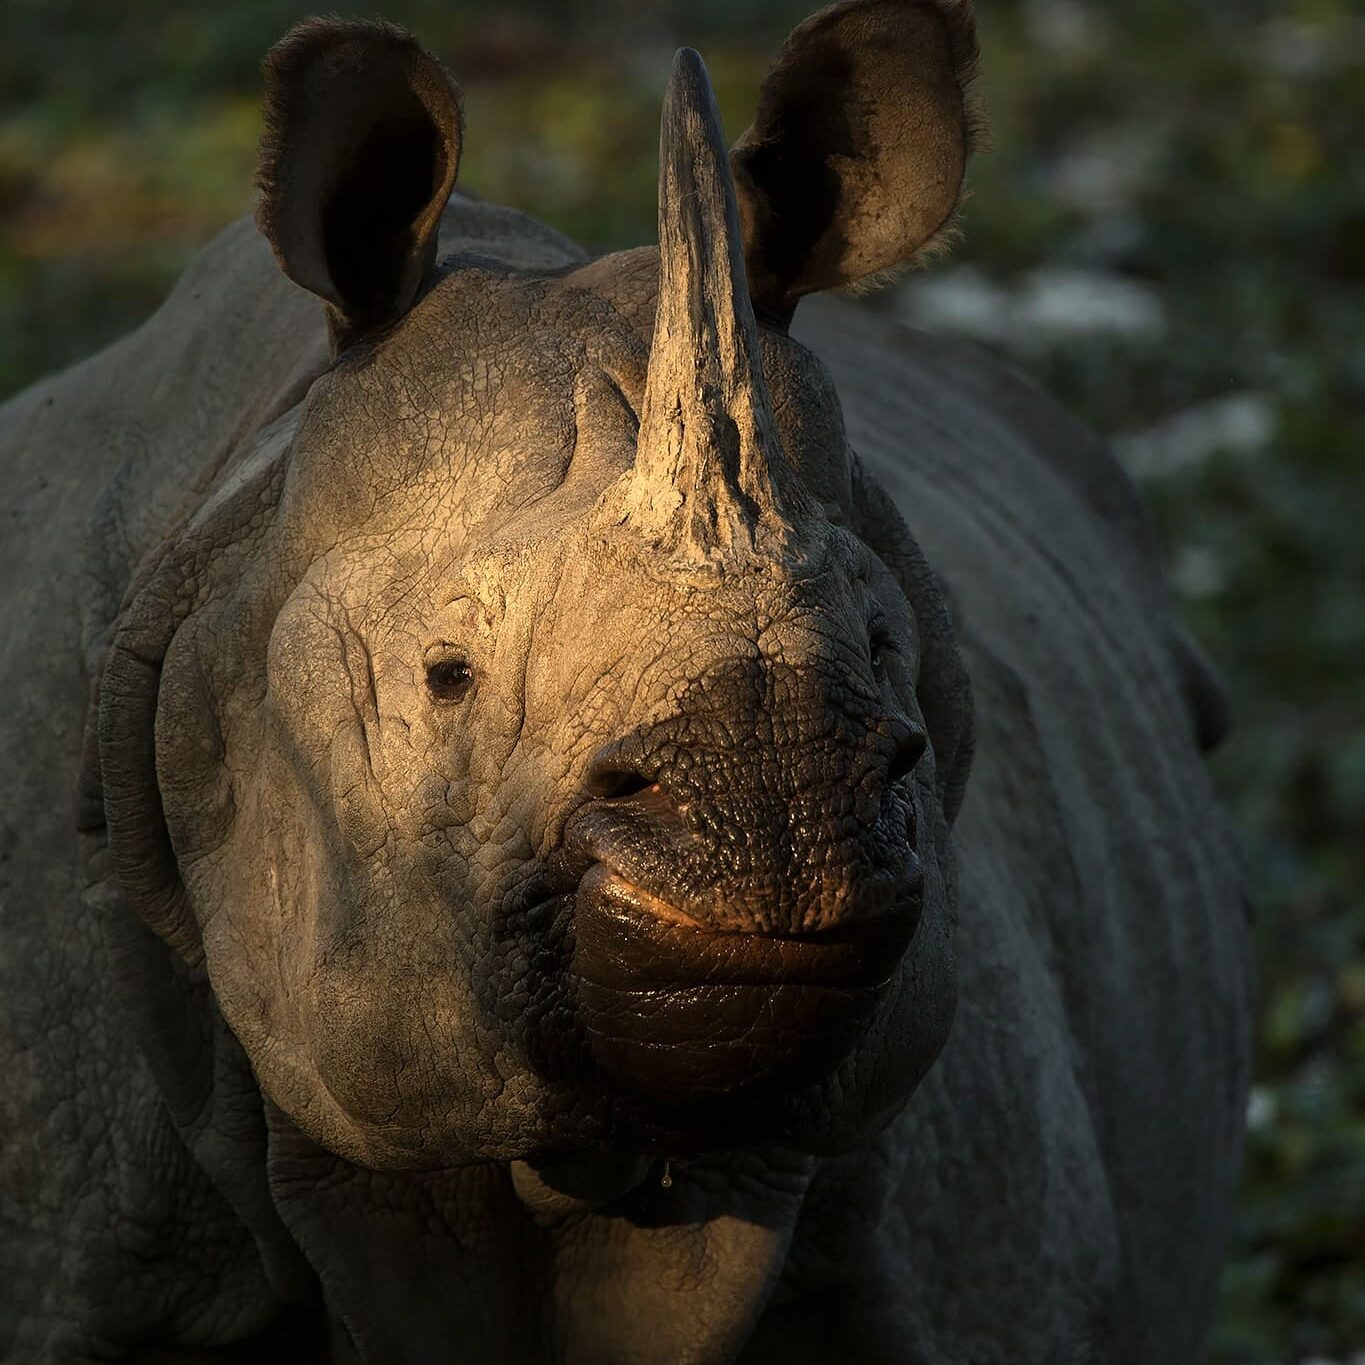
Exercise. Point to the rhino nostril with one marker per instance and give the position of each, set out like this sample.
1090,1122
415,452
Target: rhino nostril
622,777
610,782
910,746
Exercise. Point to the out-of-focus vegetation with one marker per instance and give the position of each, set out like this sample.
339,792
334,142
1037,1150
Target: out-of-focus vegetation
1169,234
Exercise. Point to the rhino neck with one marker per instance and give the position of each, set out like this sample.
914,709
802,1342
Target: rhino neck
456,1265
679,1273
471,227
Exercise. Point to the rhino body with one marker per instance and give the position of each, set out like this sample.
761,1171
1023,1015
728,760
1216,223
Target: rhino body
1057,1188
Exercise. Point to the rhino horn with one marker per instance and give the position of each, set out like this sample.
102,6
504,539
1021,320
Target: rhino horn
710,485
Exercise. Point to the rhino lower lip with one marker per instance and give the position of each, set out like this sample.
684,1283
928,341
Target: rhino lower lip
678,1013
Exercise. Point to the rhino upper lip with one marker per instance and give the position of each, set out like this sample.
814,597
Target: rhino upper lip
616,888
634,934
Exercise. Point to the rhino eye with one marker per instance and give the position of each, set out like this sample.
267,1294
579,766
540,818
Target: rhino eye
879,645
448,679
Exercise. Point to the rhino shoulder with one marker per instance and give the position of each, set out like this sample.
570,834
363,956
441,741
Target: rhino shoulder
1101,895
944,425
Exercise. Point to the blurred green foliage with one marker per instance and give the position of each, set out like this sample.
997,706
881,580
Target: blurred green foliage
1169,234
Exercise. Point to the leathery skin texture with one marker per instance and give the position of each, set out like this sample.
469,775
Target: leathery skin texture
590,810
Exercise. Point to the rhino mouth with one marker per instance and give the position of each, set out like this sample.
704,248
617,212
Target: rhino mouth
633,939
676,1007
678,1013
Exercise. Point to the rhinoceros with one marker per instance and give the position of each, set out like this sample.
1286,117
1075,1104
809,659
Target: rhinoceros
489,868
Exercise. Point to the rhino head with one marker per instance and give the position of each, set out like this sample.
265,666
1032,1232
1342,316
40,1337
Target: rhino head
545,736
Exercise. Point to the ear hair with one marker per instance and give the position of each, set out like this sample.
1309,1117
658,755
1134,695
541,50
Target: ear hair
853,166
363,132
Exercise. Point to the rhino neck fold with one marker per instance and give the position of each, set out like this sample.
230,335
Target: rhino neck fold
425,1266
711,485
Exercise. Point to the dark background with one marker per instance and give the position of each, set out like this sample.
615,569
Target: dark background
1169,234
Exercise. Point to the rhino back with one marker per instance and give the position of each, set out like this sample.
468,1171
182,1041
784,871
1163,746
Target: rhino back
1090,1099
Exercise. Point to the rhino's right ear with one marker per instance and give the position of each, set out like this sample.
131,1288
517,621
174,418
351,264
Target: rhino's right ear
360,151
854,162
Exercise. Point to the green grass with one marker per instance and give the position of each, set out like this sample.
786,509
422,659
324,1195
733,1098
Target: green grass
1197,166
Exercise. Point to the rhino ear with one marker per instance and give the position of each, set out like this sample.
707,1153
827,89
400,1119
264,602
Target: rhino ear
854,162
360,151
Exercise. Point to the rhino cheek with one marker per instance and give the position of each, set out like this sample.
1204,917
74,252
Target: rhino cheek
354,1005
388,1019
917,1022
386,1045
312,967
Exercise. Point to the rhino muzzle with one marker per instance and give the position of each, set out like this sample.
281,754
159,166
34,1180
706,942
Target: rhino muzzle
722,944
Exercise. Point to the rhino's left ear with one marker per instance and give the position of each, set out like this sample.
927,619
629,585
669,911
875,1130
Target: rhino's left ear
854,162
360,151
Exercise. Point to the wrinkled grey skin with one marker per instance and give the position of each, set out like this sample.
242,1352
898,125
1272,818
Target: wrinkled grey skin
276,1085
